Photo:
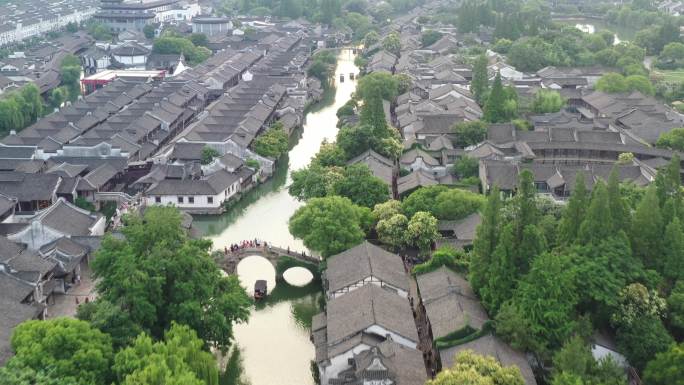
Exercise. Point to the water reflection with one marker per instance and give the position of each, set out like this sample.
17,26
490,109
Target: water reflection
298,276
268,219
275,341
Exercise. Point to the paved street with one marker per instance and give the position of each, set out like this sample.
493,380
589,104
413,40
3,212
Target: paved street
66,304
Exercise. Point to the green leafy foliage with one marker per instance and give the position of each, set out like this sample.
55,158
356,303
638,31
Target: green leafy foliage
355,182
673,139
430,37
159,276
208,155
574,364
422,232
84,204
466,167
167,44
546,101
615,83
470,133
178,359
480,83
392,44
330,225
66,350
667,367
273,143
447,256
19,109
501,105
392,231
472,369
443,202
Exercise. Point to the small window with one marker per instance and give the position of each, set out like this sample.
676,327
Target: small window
180,199
191,199
210,199
157,199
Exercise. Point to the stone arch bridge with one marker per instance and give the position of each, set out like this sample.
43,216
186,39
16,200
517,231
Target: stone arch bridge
281,259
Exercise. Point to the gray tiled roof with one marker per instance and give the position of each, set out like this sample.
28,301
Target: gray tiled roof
492,346
449,302
28,187
68,219
363,261
369,305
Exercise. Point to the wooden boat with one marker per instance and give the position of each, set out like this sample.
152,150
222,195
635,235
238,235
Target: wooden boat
260,289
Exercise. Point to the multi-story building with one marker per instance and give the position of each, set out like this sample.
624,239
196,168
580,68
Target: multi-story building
123,15
23,20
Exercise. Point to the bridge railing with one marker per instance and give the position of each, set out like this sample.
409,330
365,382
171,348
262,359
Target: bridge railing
274,251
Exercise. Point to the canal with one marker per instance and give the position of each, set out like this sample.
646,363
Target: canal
274,343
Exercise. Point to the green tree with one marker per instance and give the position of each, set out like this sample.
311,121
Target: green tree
495,107
68,350
470,133
329,154
546,101
647,228
422,231
422,199
547,297
180,45
149,31
33,103
480,82
574,364
430,37
361,186
667,368
58,96
84,204
393,231
612,83
502,271
178,359
513,326
466,167
472,369
72,27
208,155
70,73
642,340
314,181
574,212
371,38
673,264
636,302
675,306
673,139
598,223
158,275
273,143
330,225
392,44
386,210
455,204
486,239
640,83
619,212
109,319
199,39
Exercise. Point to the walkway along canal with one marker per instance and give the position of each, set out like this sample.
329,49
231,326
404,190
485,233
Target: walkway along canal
275,342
